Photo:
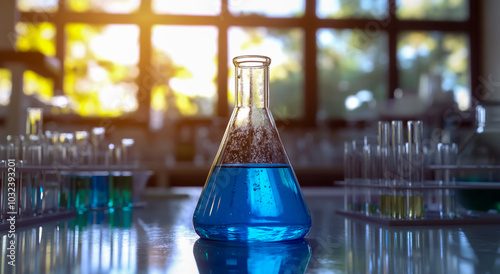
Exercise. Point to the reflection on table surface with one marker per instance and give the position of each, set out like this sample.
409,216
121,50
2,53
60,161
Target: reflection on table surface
160,238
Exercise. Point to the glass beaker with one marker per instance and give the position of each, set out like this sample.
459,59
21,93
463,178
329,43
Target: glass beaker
480,150
251,193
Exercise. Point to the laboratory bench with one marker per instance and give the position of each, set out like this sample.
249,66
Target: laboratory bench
159,238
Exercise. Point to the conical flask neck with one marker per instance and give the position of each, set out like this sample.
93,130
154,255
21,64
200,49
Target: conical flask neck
252,81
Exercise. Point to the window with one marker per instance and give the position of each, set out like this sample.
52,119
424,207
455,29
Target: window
5,86
335,59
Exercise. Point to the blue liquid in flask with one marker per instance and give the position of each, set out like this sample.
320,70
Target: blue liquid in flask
252,203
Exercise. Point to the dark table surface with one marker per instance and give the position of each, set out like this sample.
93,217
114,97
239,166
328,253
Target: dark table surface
159,238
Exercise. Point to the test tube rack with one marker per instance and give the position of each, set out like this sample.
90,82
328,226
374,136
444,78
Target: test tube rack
439,204
34,203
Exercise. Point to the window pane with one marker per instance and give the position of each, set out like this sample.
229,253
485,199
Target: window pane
101,68
268,8
352,72
187,7
184,80
456,10
109,6
36,37
38,86
437,60
285,48
352,8
5,86
37,5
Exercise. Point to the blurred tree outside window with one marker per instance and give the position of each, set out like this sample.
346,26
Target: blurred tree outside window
454,10
286,70
38,86
352,8
185,80
37,5
443,58
101,68
36,37
108,6
351,78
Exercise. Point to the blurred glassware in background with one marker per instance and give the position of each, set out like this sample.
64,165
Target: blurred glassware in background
348,176
58,173
384,177
480,154
370,176
384,142
415,160
446,198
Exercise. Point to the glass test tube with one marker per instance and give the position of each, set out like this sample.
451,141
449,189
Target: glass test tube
85,197
348,198
415,203
75,184
34,121
33,158
17,150
114,160
51,177
370,169
126,178
357,175
61,160
446,155
97,141
99,187
384,141
35,179
398,204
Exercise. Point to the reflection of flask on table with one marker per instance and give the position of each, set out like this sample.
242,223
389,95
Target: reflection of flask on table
251,193
225,257
481,149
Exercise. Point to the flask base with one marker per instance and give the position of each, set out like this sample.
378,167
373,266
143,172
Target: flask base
252,233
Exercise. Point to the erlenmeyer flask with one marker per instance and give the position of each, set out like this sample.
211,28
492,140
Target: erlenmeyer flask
251,193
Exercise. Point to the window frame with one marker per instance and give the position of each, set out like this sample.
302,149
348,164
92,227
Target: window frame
145,19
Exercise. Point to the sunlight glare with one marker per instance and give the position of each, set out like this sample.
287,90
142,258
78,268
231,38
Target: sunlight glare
196,60
187,7
271,8
117,43
352,102
5,86
462,97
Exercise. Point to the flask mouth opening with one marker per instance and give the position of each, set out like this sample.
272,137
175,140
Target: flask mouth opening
251,61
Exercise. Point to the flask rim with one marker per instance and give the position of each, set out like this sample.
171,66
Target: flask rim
251,61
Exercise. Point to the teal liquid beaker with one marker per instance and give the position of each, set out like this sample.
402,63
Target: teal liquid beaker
251,193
